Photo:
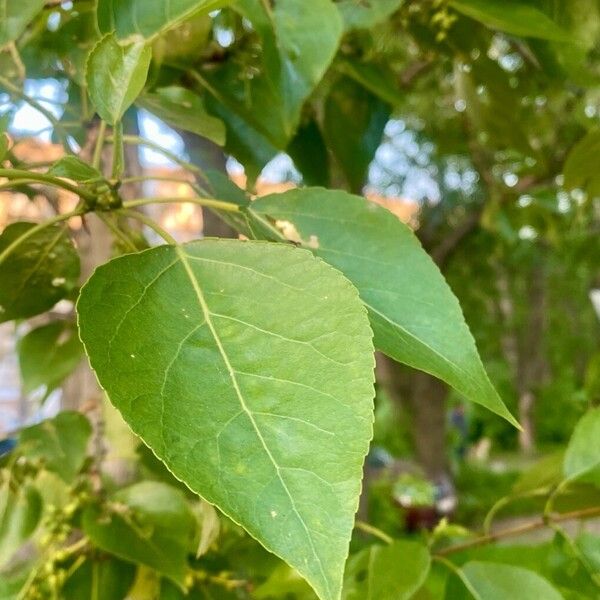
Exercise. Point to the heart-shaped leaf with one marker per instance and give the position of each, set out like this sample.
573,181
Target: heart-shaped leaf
414,314
248,368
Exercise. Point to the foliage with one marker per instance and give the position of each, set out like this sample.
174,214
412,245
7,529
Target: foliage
247,366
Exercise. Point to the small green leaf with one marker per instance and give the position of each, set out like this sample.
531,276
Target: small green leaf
38,272
364,15
582,458
511,16
16,15
247,368
48,355
72,167
4,145
581,167
183,109
354,124
414,314
393,572
148,18
20,512
495,581
115,75
105,579
148,523
60,442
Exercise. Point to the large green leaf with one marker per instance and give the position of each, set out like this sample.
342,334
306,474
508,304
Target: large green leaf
583,452
495,581
39,272
414,314
49,354
393,572
60,442
148,523
299,41
581,167
512,16
148,18
247,368
183,109
20,512
15,16
115,75
354,123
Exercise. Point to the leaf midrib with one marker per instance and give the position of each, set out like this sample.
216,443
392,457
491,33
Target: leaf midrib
232,374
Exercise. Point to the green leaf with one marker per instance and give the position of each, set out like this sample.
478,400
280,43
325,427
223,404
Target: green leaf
15,16
310,155
4,145
115,75
583,452
247,368
148,18
148,523
38,273
108,579
517,18
299,40
495,581
183,109
364,15
20,512
415,316
48,355
354,123
376,78
393,572
581,167
60,442
589,545
72,167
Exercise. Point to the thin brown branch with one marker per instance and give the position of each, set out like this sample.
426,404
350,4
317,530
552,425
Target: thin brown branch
540,523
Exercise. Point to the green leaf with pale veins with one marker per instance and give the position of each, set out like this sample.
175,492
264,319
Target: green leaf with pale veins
183,109
115,75
582,457
48,355
148,18
393,572
414,314
15,15
39,272
496,581
148,523
247,367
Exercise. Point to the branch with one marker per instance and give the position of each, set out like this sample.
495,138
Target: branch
540,523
